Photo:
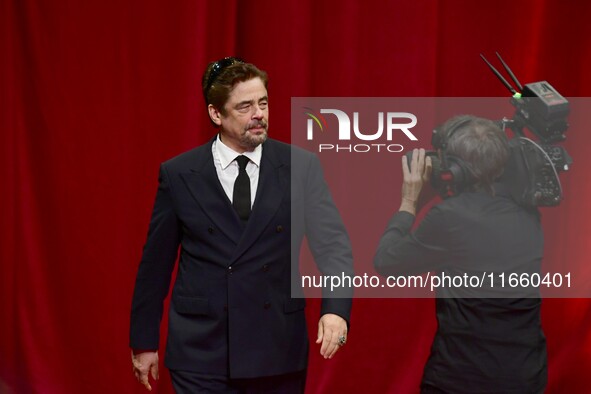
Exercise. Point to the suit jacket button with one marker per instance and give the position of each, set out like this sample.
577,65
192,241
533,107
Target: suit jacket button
279,229
265,267
230,270
210,230
267,305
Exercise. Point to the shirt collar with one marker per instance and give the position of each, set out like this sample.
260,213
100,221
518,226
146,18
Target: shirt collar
227,154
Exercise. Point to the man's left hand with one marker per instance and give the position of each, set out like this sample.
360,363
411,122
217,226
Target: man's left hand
330,328
414,177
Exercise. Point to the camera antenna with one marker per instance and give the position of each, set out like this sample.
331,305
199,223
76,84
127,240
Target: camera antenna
513,77
514,92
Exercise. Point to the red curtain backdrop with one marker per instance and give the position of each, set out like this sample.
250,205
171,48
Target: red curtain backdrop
95,94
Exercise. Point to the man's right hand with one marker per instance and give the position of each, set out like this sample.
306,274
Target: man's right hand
143,364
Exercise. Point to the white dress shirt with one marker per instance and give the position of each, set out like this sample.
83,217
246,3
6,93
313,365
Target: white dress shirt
227,167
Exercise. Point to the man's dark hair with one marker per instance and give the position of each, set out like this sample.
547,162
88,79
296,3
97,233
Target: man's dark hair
481,145
221,76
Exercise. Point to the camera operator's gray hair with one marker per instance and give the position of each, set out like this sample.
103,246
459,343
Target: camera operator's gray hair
482,145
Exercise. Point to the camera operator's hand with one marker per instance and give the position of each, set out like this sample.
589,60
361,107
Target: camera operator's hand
414,178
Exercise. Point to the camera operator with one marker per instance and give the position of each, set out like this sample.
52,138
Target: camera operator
482,345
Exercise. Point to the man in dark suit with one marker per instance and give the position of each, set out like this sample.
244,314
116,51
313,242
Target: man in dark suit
238,208
489,338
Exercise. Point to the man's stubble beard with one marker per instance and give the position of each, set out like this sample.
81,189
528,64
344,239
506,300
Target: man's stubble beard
252,141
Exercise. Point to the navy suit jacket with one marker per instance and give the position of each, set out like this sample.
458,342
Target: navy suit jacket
231,311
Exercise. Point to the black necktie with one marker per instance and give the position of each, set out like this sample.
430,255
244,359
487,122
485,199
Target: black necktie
241,194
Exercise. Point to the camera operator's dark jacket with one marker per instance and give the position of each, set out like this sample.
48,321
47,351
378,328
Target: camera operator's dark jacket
489,339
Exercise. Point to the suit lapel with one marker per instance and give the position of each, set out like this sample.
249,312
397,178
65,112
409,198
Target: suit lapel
273,184
205,187
203,184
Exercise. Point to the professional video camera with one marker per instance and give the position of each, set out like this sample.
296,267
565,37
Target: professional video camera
532,171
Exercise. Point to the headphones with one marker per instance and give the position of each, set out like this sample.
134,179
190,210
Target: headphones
451,175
